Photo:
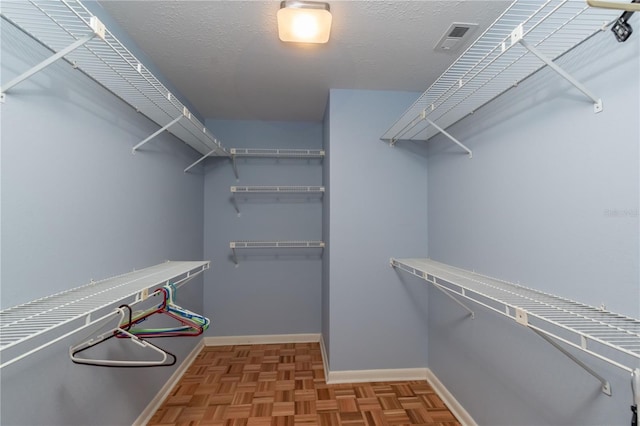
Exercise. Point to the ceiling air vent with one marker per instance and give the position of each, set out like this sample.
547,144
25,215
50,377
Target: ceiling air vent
453,37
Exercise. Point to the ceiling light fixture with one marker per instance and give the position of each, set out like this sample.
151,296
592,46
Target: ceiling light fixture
304,21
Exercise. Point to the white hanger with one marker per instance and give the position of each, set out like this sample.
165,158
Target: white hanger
73,350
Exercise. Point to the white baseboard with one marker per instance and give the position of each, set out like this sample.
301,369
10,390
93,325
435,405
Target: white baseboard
157,401
325,359
390,375
262,339
451,402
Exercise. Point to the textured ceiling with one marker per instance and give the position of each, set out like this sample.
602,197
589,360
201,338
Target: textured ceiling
226,58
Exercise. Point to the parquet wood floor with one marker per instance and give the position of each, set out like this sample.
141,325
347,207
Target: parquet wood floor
284,385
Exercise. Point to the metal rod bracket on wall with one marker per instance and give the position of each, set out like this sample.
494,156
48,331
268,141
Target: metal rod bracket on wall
50,60
605,385
201,158
431,280
423,117
156,133
517,36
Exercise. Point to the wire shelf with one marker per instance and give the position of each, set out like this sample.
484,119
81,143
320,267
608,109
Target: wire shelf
277,189
27,321
58,24
495,62
275,244
283,153
584,327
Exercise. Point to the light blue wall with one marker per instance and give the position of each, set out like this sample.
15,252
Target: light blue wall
377,208
326,228
550,200
77,205
272,291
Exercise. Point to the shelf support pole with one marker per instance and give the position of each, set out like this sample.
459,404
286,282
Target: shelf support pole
156,133
452,297
597,102
235,203
606,387
233,164
50,60
235,257
441,130
199,160
395,264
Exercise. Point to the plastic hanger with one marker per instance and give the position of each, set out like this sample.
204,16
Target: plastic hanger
166,358
192,324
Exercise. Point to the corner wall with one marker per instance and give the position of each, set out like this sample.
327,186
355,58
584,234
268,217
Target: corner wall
377,210
549,200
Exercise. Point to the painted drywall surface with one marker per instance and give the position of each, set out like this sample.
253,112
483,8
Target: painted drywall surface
77,205
550,200
271,291
378,201
326,228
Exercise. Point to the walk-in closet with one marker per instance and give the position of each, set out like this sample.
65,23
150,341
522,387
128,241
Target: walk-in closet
245,213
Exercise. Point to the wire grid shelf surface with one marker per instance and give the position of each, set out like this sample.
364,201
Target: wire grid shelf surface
58,24
584,322
494,63
263,152
277,189
23,322
275,244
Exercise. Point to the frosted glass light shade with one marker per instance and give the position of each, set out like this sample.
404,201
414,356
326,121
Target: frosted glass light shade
304,21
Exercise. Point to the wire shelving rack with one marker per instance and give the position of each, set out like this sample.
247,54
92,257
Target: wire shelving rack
273,153
277,189
68,28
528,35
589,329
24,323
273,245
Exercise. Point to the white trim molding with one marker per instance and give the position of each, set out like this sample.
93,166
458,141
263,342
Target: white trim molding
387,375
450,401
164,392
325,359
262,339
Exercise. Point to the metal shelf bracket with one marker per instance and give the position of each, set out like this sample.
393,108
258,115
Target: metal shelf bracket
423,117
156,133
606,386
393,263
98,30
518,37
233,164
200,159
